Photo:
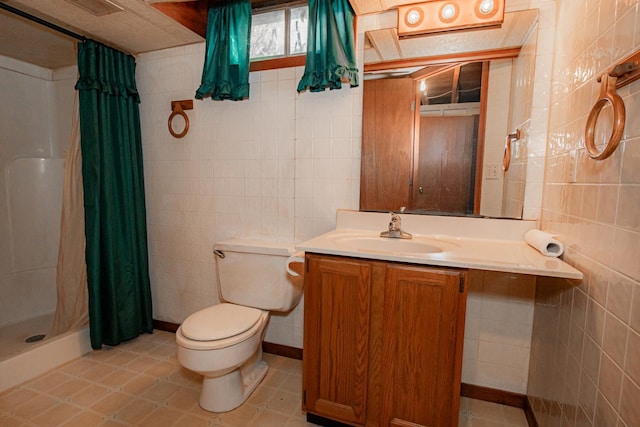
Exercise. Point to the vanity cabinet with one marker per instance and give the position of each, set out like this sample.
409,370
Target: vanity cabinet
382,342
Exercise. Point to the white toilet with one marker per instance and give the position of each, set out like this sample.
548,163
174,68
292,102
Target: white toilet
224,342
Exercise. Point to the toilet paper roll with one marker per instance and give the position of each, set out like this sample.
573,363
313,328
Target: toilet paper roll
544,242
296,257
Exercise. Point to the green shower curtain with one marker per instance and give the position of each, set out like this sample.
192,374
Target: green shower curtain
115,222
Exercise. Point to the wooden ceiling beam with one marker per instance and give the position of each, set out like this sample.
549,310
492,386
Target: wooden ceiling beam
193,14
484,55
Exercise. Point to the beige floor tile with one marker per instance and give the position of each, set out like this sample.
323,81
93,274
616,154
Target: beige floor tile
84,419
77,367
160,392
162,417
48,381
261,395
140,362
274,378
104,355
184,399
12,398
7,420
97,372
69,388
284,402
122,359
488,411
56,416
292,383
268,419
163,370
141,384
117,379
514,416
239,417
111,403
89,395
35,407
134,411
193,421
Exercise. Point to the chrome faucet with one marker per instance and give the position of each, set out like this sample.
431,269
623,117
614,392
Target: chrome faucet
395,228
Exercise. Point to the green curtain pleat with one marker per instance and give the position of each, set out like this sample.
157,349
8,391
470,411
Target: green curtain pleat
114,199
225,74
331,54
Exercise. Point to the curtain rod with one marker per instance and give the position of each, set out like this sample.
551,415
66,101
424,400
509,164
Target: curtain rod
41,22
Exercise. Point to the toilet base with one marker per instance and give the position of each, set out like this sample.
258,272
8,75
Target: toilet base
227,392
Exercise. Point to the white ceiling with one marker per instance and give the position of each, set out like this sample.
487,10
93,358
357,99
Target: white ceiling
385,45
136,29
139,27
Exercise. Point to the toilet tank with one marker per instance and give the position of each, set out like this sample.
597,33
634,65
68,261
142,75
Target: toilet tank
253,273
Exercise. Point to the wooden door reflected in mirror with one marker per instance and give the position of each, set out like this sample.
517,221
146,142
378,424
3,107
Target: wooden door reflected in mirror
424,151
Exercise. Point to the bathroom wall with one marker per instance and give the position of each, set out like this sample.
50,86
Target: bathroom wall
277,167
495,130
520,108
585,368
274,167
35,121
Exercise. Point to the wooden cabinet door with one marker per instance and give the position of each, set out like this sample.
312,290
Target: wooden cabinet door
422,349
336,338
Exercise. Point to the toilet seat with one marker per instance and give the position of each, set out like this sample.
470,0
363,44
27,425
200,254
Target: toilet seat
219,326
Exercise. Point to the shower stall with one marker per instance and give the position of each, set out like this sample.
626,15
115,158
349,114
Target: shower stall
35,124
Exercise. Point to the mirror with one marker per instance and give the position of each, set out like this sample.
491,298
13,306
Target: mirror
436,114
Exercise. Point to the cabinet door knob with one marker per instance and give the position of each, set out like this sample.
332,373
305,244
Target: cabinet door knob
420,190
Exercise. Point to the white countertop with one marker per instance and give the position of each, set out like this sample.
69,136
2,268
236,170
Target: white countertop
475,243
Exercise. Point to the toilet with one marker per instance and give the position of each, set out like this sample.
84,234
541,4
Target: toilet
224,342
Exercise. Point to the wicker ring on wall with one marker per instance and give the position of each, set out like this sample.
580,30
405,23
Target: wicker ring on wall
506,156
178,111
608,95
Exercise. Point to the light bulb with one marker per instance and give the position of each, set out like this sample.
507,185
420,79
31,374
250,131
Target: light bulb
448,12
423,86
413,17
486,6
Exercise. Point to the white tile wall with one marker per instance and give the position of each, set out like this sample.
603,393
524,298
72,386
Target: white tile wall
498,330
274,167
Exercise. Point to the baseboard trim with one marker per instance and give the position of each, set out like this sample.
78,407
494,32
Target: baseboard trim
493,395
282,350
502,397
528,412
165,326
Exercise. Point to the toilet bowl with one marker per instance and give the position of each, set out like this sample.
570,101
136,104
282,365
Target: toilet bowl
223,343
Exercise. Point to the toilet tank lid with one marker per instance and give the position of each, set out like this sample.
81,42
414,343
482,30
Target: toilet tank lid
265,247
219,322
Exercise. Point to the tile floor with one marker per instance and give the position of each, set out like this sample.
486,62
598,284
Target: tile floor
141,383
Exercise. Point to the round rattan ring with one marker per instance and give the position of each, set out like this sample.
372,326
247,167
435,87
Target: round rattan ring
178,112
506,156
607,96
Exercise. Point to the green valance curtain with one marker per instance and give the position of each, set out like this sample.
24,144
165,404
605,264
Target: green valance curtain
112,171
331,55
225,74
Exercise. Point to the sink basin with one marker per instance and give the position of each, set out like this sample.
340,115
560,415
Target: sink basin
386,245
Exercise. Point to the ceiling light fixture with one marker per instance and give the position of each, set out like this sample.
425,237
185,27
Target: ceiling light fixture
434,16
97,7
